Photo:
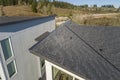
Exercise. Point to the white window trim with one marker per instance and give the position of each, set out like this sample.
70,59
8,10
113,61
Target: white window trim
15,70
49,66
6,62
11,48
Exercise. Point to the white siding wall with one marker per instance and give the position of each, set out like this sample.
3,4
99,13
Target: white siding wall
2,74
28,65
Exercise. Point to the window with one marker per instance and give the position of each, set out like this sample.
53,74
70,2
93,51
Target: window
6,49
8,56
11,68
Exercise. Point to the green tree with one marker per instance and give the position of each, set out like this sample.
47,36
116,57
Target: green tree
108,6
49,11
95,6
84,6
63,5
34,6
1,11
30,2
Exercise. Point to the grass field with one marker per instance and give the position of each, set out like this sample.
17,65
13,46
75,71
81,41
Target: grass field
82,17
111,19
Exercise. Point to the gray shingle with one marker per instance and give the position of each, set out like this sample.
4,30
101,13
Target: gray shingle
76,49
105,38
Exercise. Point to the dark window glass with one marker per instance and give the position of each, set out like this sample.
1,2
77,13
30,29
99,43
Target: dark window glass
6,49
11,69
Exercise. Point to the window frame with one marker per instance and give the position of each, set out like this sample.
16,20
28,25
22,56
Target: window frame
11,49
9,60
14,67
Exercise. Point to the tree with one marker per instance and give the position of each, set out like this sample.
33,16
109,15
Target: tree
108,6
63,5
34,6
30,2
118,9
1,11
49,11
95,6
84,6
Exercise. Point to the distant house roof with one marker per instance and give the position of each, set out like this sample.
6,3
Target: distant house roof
89,52
11,20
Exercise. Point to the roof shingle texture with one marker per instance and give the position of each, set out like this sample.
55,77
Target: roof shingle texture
89,52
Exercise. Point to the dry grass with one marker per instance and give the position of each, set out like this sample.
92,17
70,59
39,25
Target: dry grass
62,12
26,11
19,11
99,20
81,17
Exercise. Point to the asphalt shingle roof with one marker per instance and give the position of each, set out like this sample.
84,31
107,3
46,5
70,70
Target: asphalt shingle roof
89,52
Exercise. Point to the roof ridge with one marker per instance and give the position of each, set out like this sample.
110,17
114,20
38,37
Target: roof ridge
93,49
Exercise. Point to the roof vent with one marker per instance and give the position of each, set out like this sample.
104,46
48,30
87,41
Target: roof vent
100,50
70,37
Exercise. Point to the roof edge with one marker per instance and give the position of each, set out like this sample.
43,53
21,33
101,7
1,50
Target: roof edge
53,62
29,19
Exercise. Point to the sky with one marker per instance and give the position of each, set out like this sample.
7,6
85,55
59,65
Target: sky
116,3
